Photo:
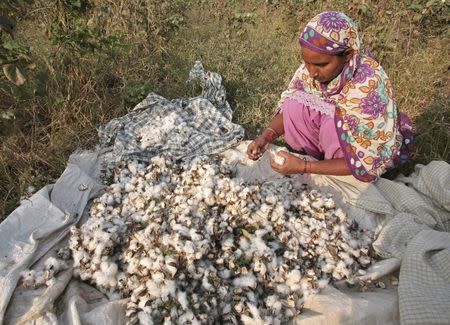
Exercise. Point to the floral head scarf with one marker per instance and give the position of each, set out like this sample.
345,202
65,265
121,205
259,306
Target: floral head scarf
372,134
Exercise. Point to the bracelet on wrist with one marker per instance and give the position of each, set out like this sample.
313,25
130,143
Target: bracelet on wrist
306,167
270,134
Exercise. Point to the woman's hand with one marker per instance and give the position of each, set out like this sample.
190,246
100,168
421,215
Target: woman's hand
257,147
292,164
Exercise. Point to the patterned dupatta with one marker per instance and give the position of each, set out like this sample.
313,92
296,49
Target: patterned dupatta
373,135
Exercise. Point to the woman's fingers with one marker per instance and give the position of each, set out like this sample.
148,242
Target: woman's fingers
252,151
249,152
256,149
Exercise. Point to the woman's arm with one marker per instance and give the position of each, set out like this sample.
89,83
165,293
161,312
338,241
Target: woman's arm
277,124
337,166
295,165
258,146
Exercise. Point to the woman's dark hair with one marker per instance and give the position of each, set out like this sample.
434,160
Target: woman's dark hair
343,52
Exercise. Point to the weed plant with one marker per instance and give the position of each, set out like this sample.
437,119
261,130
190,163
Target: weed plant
70,65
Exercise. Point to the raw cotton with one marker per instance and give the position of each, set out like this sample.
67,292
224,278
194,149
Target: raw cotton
188,243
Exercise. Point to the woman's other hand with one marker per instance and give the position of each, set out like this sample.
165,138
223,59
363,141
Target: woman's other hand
292,164
257,147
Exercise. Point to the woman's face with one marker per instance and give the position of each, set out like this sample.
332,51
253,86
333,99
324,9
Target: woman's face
324,67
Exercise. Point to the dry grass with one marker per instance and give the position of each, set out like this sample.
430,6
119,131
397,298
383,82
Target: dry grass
252,44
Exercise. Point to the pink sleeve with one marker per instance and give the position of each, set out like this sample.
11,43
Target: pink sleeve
328,139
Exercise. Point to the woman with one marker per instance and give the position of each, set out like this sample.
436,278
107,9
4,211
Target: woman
338,108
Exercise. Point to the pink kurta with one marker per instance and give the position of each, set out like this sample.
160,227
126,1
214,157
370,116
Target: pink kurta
314,132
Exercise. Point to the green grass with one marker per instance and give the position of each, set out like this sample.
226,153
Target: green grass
86,62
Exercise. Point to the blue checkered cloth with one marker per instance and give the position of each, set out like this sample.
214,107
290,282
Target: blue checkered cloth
203,124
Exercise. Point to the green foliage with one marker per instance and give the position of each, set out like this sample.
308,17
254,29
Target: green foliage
136,91
12,51
239,21
430,12
79,5
12,6
7,114
15,57
79,36
170,16
243,17
176,20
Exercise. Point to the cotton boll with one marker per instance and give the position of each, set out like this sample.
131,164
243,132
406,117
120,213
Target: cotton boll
189,248
28,278
260,268
146,262
104,279
364,260
340,271
187,317
182,299
317,204
293,280
169,288
227,243
327,267
225,274
109,268
133,167
158,277
172,269
305,204
341,215
322,283
206,285
246,281
353,243
273,303
282,289
346,258
290,255
40,279
145,319
256,317
329,203
153,289
129,187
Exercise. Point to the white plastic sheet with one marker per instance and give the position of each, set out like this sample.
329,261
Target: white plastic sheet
41,221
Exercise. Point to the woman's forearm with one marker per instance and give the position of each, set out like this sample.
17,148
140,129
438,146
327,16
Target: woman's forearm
336,166
296,165
275,128
277,124
257,147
